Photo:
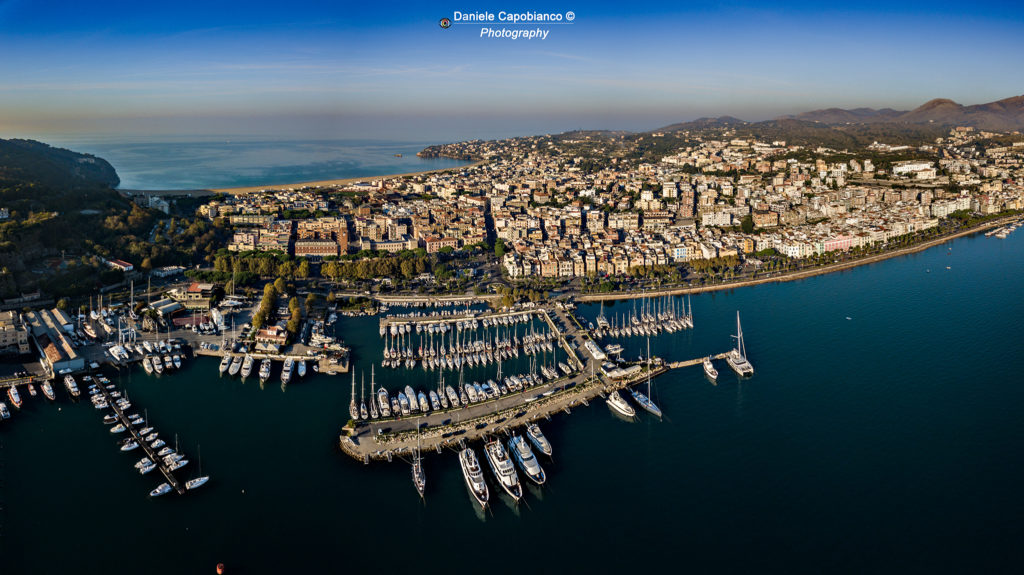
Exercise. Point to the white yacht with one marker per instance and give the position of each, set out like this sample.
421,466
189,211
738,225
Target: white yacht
737,357
523,455
419,479
236,365
48,390
618,403
537,438
709,368
177,361
302,368
384,402
197,482
225,363
265,369
4,412
503,469
147,365
474,476
286,371
247,364
158,366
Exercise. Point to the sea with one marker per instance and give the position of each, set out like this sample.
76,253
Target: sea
184,163
881,433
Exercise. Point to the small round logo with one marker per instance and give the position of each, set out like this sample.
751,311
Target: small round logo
570,16
446,23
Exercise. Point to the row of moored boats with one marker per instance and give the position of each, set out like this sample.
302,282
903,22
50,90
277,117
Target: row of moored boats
244,365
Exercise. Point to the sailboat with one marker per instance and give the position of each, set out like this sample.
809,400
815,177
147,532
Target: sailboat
353,409
363,412
418,477
201,479
645,400
737,357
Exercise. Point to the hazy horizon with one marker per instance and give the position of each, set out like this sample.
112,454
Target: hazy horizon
331,71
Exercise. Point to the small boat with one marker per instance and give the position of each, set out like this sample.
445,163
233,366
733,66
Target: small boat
177,361
168,362
618,403
15,397
158,443
709,368
119,428
129,445
147,468
165,452
4,412
31,390
162,489
147,365
158,365
110,418
523,455
197,482
48,390
537,438
474,476
177,465
302,368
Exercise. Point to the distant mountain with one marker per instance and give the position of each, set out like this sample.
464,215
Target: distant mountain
1003,115
28,161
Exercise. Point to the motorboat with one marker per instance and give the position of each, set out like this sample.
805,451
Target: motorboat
286,371
147,364
162,489
197,482
536,437
4,412
474,476
523,455
236,365
265,369
709,368
301,370
504,471
247,364
225,363
14,396
618,403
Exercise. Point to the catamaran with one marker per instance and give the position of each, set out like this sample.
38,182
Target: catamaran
523,455
503,469
474,476
737,357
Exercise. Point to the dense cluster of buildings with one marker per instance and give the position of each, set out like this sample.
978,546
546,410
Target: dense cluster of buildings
560,220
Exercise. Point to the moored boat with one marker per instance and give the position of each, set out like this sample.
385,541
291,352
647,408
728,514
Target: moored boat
537,438
48,390
162,489
504,471
618,403
709,368
523,455
14,396
225,363
474,476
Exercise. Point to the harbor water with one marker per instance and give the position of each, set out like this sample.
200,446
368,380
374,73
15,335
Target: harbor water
881,432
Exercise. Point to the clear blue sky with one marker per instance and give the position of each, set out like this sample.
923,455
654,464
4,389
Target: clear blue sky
312,69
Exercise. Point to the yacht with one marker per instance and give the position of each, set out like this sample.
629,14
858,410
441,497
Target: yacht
71,385
523,455
15,397
616,402
31,390
403,403
197,482
146,468
168,362
424,404
265,369
119,428
177,465
286,371
709,368
503,469
110,418
302,368
177,361
48,390
162,489
165,452
737,357
537,438
158,443
158,366
129,445
4,412
236,365
147,365
247,364
225,363
384,402
474,476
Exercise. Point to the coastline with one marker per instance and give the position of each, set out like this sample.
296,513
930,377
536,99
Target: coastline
336,182
798,275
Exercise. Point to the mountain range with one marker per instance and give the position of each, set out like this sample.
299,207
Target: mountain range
1003,115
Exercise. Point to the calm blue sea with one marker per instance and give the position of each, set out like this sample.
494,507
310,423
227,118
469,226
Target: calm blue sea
882,433
202,164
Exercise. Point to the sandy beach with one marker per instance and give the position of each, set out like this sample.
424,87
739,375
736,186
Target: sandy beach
333,183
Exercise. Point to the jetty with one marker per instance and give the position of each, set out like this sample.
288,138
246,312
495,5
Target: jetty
150,452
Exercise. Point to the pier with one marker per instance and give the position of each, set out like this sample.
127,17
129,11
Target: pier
382,439
150,452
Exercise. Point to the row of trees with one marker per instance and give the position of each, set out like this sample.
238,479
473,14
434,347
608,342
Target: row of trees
271,292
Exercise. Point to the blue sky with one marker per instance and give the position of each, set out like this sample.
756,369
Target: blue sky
309,69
